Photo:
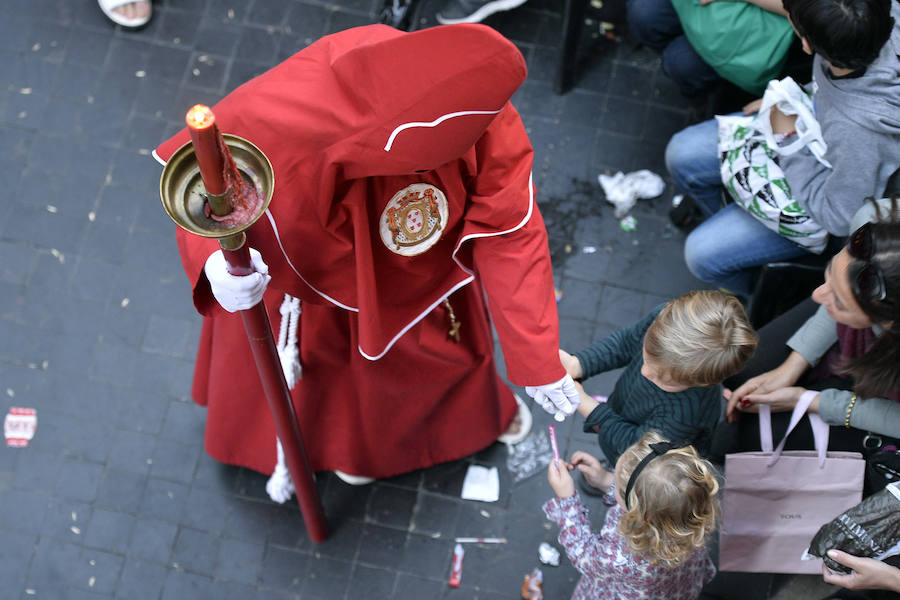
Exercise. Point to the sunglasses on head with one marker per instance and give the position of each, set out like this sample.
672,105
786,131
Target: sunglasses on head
868,283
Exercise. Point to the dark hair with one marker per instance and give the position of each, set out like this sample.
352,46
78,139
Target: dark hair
849,34
877,372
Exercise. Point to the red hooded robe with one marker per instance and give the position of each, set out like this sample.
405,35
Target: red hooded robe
348,123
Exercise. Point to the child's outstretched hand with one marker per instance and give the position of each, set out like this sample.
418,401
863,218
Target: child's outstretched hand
593,471
571,364
559,478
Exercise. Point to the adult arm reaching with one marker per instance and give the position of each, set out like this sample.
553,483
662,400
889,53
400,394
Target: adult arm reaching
782,376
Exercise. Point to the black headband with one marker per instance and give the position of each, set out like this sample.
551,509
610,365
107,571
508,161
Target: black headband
657,449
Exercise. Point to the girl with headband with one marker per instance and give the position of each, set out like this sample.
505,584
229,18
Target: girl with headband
653,540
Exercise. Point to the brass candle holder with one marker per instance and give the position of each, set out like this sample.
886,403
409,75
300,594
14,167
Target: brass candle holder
184,197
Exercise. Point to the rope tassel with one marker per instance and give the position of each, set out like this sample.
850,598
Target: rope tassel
288,350
280,486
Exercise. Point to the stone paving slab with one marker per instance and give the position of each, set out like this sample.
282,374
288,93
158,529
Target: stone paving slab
115,497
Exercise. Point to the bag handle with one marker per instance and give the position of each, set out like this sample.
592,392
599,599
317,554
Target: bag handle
808,131
819,428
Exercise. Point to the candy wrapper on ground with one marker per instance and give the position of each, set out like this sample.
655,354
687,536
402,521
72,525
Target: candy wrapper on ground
531,588
871,529
529,456
19,426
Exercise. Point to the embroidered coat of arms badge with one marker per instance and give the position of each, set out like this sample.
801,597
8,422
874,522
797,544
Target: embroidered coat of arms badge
413,219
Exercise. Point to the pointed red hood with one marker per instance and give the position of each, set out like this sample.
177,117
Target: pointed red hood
370,101
359,115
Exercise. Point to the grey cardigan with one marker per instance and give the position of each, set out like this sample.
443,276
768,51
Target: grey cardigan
878,415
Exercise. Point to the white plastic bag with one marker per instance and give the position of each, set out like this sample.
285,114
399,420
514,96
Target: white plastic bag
791,99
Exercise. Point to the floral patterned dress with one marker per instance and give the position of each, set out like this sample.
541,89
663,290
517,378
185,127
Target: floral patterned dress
609,569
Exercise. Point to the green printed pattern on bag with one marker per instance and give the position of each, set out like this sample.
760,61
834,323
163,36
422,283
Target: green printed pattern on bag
754,179
758,212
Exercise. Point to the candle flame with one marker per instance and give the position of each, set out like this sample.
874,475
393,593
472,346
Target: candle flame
200,116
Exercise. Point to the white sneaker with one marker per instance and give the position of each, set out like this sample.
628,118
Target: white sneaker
354,479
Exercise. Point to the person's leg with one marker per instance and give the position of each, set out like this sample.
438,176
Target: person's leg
724,249
653,22
684,66
692,158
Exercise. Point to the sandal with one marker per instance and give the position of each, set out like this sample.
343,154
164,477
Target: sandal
525,415
108,7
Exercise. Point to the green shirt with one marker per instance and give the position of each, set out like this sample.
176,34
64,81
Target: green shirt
636,404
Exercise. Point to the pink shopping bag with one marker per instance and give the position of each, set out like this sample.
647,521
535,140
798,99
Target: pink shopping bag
774,502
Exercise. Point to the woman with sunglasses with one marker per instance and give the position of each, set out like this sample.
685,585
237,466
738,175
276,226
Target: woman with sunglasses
849,350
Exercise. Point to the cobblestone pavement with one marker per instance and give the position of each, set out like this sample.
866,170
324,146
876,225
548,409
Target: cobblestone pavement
114,496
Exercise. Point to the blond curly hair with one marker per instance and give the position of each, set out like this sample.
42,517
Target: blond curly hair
674,504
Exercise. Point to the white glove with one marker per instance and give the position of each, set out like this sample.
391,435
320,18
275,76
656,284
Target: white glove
559,398
233,292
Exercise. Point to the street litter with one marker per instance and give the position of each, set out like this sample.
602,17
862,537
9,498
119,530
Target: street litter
481,483
548,554
629,223
622,191
529,456
480,540
532,588
589,249
456,566
19,426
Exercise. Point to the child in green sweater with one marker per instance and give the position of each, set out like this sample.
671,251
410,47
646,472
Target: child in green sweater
675,359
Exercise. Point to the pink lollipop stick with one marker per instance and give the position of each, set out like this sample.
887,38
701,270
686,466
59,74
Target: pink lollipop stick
553,443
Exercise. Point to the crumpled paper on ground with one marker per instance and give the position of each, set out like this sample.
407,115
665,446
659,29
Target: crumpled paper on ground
622,191
548,554
529,456
481,483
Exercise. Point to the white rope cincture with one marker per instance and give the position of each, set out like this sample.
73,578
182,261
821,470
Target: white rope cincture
288,350
280,486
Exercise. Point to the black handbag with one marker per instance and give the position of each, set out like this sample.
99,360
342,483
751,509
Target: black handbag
882,468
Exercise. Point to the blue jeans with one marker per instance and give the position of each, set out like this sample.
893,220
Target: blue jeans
725,248
655,23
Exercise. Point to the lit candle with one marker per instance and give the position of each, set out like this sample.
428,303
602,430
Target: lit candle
209,148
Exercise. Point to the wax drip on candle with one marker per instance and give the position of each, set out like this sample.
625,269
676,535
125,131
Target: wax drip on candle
219,171
245,198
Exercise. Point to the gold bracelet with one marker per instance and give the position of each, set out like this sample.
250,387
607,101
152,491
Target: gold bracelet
849,410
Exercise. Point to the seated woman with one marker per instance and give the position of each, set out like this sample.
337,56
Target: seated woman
852,340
